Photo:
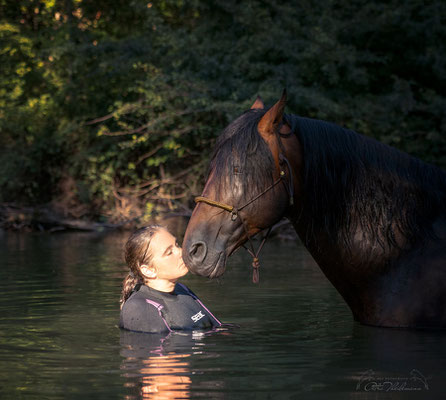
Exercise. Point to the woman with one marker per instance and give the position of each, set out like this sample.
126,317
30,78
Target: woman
151,299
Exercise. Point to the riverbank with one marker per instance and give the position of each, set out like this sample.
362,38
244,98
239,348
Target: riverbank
45,218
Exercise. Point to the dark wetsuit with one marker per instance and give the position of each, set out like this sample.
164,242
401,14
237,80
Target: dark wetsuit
149,310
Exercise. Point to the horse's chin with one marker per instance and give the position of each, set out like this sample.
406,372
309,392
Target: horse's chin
219,268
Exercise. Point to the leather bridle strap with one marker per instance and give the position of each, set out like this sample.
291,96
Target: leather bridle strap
234,210
201,199
235,213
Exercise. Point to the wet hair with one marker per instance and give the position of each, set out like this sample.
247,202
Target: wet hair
137,253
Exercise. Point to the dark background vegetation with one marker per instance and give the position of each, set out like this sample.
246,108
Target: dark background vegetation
109,109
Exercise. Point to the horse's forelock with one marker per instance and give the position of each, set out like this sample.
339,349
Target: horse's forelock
240,146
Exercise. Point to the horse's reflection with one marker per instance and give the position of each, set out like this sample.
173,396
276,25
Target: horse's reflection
394,360
161,362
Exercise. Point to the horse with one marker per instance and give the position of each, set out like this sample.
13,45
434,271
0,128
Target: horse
372,217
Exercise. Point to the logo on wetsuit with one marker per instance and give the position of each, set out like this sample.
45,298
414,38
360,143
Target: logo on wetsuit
197,316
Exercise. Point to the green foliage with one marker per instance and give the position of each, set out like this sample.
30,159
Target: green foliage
127,97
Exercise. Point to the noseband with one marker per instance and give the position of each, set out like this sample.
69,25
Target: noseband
235,211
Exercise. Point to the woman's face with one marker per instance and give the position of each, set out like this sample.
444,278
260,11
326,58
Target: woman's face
166,256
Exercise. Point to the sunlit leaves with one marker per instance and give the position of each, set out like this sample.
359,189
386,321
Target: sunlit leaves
118,94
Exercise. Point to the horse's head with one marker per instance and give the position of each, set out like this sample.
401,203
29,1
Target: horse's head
247,173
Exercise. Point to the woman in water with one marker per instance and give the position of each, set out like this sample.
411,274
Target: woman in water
152,300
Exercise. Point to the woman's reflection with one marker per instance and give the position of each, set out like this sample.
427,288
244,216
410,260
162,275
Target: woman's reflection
166,377
162,363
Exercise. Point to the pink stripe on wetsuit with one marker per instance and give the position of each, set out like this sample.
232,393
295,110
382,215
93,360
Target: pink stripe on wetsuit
199,302
159,307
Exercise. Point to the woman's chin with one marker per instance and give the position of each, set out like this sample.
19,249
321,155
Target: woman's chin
184,270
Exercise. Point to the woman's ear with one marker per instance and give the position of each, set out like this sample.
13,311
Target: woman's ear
148,272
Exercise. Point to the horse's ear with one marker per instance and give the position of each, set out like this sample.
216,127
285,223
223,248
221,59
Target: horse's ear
272,118
258,104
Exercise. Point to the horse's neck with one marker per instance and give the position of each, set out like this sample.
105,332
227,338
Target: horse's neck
380,220
320,243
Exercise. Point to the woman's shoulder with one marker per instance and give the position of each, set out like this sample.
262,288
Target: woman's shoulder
140,313
143,297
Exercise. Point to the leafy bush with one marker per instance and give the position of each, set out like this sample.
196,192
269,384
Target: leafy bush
125,99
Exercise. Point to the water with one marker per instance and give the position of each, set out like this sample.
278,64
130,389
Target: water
59,336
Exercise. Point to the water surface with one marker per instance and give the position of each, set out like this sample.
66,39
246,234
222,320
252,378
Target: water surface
59,337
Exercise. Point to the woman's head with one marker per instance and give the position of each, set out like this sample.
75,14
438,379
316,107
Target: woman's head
154,258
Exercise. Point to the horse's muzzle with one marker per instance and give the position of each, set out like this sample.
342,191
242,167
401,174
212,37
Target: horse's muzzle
202,260
197,252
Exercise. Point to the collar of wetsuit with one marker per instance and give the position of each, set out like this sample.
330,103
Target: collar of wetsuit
158,293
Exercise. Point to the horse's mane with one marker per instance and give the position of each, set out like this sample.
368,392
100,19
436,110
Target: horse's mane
240,146
352,181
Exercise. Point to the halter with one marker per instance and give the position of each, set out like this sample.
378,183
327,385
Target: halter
235,210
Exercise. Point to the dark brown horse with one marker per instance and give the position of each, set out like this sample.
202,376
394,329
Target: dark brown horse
372,217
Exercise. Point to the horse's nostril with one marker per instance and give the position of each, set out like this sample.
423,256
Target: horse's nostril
197,251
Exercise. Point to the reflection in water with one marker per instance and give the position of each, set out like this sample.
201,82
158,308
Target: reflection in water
59,337
160,377
159,362
164,373
397,360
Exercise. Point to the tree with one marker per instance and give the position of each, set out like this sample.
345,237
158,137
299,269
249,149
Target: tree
123,100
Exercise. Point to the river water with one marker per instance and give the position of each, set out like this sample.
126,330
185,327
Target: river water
296,338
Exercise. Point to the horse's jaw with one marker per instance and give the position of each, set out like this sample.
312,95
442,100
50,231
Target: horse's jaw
220,266
206,249
212,266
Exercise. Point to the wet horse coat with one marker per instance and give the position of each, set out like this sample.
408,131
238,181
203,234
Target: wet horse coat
372,217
